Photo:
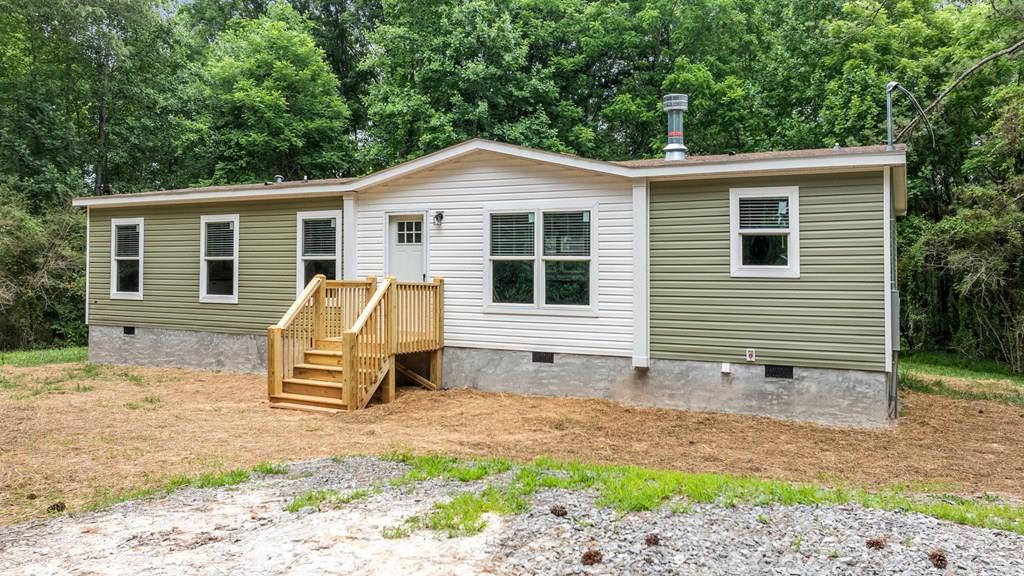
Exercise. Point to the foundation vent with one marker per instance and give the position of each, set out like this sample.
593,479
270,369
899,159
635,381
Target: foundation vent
775,371
544,357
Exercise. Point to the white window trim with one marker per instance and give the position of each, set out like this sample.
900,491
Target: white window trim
338,246
114,223
217,298
738,270
538,307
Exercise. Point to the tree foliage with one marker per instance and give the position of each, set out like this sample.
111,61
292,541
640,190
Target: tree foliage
112,96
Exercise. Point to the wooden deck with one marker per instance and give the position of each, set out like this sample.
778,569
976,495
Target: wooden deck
337,347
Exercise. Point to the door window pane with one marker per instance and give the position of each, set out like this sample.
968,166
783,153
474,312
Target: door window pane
512,281
567,282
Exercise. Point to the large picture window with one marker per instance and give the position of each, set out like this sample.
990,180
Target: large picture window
126,258
541,259
765,229
218,271
319,246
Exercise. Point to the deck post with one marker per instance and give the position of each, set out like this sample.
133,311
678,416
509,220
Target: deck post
350,365
275,363
437,356
391,318
319,305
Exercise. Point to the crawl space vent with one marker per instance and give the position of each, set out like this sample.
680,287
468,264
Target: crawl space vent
544,357
774,371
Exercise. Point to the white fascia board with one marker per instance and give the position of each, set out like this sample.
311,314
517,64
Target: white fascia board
838,162
198,196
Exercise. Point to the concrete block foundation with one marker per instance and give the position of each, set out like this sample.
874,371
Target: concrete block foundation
180,348
827,396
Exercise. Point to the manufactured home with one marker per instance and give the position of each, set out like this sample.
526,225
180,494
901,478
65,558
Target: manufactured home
758,283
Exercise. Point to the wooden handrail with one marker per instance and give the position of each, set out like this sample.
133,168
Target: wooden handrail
357,326
300,302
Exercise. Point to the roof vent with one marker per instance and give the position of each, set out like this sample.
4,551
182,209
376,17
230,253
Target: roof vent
675,105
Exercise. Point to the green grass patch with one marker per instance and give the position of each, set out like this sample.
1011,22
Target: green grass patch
433,466
909,381
631,489
83,387
270,469
326,498
131,377
26,358
217,479
463,514
953,365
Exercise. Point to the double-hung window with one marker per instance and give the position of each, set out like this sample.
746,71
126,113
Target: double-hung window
126,258
765,232
541,259
218,269
319,247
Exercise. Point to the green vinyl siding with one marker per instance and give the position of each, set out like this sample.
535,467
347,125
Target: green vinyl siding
833,316
266,266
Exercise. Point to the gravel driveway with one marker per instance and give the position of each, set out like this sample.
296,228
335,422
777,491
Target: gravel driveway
246,530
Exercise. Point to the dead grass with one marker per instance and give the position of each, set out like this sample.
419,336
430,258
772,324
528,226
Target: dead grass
83,446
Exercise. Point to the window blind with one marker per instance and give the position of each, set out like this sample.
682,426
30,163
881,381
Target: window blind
220,239
319,237
764,213
567,233
128,241
512,234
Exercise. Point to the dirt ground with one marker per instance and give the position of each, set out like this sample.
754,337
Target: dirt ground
75,434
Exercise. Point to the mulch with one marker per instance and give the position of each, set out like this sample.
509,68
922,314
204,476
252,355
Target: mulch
138,426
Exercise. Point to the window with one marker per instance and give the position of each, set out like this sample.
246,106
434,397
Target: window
319,246
218,270
567,258
560,275
126,258
765,232
410,231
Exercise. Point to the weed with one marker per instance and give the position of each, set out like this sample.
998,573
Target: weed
952,365
131,377
27,358
8,382
463,514
764,519
939,388
83,387
395,532
151,400
132,405
797,543
320,498
270,469
434,466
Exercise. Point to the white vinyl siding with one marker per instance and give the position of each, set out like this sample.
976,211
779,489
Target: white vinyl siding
467,189
218,259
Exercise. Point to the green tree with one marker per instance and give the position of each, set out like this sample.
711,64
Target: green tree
265,102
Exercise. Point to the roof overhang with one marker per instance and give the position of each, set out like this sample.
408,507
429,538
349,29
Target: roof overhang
695,169
200,196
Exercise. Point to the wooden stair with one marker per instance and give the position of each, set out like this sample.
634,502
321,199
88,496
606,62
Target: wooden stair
318,382
336,347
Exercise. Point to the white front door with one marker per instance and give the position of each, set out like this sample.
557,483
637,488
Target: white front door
405,248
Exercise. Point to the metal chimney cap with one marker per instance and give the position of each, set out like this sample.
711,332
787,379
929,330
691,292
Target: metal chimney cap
675,102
